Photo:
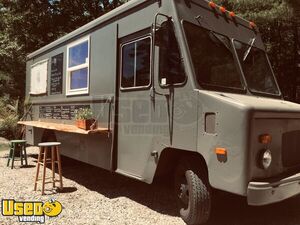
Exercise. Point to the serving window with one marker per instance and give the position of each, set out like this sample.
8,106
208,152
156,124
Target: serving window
78,67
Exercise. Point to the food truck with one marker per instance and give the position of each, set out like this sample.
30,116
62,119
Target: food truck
179,88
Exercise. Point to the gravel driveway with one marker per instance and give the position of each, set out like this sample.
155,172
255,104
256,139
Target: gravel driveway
94,196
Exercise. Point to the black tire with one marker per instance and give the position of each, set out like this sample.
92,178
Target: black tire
193,193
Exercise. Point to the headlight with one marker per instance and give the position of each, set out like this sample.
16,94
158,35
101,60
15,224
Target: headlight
265,159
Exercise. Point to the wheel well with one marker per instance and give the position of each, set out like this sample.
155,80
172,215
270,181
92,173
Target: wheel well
171,157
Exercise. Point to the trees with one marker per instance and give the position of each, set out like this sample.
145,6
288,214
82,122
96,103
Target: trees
295,6
277,21
11,57
27,25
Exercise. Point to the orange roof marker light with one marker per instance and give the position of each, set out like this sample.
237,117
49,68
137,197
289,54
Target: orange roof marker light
222,9
232,14
212,5
252,25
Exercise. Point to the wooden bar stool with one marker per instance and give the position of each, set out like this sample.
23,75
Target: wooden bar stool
48,150
14,144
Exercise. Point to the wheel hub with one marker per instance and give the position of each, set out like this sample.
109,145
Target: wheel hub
184,193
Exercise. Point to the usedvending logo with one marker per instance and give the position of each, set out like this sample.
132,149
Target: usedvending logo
31,211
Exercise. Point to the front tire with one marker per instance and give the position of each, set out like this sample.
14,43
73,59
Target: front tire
194,194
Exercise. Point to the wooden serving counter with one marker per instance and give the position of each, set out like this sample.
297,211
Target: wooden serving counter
62,127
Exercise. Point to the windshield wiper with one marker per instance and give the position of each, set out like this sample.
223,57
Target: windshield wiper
249,49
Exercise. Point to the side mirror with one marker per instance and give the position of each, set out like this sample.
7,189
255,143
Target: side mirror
171,69
163,33
170,62
157,35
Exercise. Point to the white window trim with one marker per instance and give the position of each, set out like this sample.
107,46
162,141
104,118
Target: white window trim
121,67
78,91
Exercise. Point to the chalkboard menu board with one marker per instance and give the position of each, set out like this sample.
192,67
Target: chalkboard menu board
63,112
56,76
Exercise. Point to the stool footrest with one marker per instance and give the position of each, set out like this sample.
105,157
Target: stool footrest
47,162
16,158
46,178
49,182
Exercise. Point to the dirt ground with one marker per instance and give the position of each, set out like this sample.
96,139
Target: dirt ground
94,196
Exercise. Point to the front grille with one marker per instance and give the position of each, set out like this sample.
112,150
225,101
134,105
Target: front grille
291,148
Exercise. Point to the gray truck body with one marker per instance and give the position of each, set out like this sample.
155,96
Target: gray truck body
193,121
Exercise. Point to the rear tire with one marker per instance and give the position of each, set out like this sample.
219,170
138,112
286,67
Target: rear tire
193,193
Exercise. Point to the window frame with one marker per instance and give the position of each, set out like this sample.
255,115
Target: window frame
121,63
78,91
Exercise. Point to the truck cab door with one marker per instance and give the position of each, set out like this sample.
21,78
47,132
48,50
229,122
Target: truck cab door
134,104
146,105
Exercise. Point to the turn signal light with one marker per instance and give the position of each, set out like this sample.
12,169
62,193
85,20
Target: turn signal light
221,151
265,138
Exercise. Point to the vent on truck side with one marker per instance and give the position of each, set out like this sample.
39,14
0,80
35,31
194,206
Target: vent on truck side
291,148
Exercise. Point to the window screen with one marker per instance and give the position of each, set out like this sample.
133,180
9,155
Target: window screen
136,63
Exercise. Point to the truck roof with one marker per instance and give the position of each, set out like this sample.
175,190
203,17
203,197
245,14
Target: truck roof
106,18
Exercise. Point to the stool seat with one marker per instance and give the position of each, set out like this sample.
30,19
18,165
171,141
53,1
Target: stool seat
49,144
18,141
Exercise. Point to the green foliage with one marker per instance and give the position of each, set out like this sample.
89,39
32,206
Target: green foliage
27,25
259,11
277,21
84,114
12,111
12,60
9,116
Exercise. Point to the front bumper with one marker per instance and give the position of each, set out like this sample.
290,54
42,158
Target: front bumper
263,193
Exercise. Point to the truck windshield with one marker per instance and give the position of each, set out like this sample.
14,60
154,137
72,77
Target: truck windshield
213,59
256,68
